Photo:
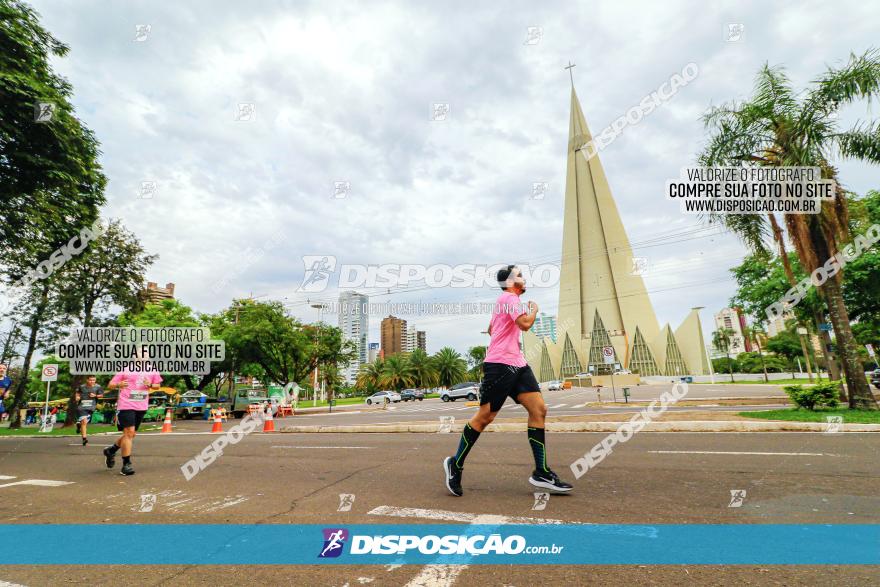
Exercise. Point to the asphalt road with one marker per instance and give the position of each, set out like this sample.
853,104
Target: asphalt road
397,478
572,402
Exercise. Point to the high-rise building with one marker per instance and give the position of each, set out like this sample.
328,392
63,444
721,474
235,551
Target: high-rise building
545,326
731,318
603,303
393,336
373,352
354,323
414,339
155,294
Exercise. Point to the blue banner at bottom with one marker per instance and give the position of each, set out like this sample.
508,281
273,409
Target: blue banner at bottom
417,544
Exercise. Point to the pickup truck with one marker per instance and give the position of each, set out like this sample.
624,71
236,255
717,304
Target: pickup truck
190,405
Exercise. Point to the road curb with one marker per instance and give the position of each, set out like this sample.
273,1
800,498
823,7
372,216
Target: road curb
681,426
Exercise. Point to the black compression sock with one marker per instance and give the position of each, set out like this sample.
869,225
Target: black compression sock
113,448
539,450
126,460
468,438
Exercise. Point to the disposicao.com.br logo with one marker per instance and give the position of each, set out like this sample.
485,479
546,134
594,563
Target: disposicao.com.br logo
451,544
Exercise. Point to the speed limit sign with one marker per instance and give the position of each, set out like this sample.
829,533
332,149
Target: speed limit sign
608,354
50,372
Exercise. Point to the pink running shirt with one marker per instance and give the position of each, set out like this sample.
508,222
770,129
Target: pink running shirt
504,341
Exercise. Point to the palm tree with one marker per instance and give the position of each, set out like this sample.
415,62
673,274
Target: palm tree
755,333
370,375
721,341
777,127
451,368
397,373
423,370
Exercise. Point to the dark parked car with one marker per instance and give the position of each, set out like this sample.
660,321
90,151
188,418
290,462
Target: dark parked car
412,394
875,378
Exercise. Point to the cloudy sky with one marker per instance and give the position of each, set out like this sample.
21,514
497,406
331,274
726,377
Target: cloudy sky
344,91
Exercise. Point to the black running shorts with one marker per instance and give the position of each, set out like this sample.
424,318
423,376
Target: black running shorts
129,418
501,381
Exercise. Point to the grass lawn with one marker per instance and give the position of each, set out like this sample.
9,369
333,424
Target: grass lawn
57,430
795,415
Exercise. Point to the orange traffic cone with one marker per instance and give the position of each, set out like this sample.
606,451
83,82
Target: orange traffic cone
268,422
218,423
166,427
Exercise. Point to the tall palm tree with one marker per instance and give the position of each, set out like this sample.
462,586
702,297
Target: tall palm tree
721,340
370,375
755,332
778,127
397,373
423,369
451,368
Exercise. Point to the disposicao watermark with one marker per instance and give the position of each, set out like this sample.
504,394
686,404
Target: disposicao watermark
320,268
213,451
646,106
628,429
826,271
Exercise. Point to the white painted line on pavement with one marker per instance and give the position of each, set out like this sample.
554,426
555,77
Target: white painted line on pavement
8,584
387,510
718,452
5,477
286,446
39,483
557,406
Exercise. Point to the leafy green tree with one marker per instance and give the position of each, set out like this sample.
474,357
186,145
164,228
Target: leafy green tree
475,357
451,368
51,183
781,127
110,271
786,344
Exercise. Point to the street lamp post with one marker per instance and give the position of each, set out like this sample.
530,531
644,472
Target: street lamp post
320,308
705,347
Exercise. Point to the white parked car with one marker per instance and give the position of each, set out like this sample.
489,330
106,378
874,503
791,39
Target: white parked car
381,397
555,386
469,390
623,372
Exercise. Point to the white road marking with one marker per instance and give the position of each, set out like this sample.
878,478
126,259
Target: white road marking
284,446
446,515
8,584
6,477
39,483
712,452
557,406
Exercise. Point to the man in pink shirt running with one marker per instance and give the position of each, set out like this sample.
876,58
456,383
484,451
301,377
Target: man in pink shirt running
507,374
134,398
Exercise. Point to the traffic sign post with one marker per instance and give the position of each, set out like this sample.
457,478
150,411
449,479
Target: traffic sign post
608,356
50,374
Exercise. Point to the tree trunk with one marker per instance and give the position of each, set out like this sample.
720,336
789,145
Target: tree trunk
825,337
859,392
34,324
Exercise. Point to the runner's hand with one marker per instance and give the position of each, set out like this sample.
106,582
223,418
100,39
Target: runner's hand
533,307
